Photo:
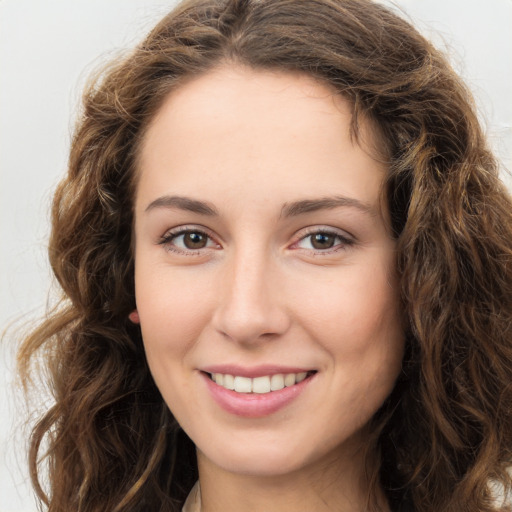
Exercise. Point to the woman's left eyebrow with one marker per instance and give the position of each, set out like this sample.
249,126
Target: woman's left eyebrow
183,203
325,203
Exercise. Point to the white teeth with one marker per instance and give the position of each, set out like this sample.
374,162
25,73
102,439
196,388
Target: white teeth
301,376
229,382
261,385
243,384
289,379
276,382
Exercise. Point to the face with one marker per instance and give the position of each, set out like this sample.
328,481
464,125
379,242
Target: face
264,271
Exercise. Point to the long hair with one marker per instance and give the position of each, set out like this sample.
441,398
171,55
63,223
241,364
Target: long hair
445,433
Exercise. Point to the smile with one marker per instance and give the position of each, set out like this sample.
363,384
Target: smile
260,392
260,385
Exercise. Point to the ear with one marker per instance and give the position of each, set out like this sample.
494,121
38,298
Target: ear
134,317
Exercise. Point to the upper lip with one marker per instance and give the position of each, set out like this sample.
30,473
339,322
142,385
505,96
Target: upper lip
253,371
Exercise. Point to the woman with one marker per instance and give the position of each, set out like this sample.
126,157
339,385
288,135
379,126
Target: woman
285,254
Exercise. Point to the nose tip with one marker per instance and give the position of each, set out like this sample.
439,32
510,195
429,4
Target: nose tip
251,307
249,325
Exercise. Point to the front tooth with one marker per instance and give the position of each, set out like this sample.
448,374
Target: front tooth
300,377
243,384
218,378
261,385
289,379
276,382
229,382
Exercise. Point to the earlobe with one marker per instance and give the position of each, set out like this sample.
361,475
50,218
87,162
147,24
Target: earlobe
134,317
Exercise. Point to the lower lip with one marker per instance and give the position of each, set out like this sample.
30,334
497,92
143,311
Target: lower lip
254,405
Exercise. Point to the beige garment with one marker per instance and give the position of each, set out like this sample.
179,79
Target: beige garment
193,503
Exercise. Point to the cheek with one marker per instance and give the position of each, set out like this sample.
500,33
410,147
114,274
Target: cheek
364,338
173,312
357,310
173,309
356,319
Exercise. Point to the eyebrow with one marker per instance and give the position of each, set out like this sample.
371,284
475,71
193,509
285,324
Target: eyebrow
183,203
288,210
325,203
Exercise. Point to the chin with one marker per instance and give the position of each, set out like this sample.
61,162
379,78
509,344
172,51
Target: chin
263,466
265,459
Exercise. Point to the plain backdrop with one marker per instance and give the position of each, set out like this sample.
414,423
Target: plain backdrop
47,49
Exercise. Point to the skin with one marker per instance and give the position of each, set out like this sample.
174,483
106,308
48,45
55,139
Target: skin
249,144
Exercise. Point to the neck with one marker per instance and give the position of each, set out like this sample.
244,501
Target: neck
331,486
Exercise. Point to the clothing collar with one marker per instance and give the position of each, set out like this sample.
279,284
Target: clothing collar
193,502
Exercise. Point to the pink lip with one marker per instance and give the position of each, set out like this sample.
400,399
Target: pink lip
254,371
254,405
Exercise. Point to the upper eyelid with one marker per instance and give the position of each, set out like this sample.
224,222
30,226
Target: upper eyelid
173,233
346,240
178,230
311,230
170,235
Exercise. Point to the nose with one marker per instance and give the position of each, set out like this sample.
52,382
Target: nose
251,305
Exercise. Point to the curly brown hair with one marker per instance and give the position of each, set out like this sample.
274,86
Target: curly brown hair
445,433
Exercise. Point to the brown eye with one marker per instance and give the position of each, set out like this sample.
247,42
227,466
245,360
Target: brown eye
322,240
195,240
187,240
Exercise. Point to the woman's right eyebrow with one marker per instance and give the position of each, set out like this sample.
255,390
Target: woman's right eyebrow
183,203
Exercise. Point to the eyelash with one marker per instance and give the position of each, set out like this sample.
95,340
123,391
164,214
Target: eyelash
170,236
343,241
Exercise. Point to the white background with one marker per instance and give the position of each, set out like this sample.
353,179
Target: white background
47,49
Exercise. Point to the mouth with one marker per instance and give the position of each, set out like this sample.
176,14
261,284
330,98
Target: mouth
259,385
258,391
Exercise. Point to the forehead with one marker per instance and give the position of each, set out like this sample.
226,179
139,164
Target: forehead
245,98
236,125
